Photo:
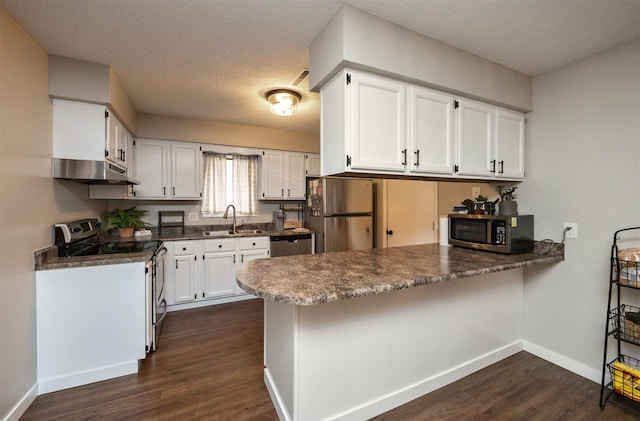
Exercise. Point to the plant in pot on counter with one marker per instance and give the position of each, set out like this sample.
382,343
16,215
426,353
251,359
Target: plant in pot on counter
508,206
125,220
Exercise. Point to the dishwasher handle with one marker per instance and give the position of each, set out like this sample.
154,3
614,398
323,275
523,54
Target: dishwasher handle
291,238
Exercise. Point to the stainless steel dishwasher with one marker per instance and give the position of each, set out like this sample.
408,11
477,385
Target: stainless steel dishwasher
291,244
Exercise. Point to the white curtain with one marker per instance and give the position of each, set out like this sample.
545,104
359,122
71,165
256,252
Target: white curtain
245,184
229,179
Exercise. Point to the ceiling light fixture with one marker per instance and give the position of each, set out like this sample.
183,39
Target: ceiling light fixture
283,101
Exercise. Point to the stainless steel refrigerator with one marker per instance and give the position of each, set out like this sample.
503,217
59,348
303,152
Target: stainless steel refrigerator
340,211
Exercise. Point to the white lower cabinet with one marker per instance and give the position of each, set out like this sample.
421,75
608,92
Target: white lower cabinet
251,248
204,271
219,268
184,272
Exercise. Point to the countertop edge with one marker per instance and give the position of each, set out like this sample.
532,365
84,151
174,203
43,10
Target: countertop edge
47,258
558,256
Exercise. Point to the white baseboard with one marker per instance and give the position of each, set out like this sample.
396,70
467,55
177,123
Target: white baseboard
85,377
211,302
407,394
564,362
21,407
282,412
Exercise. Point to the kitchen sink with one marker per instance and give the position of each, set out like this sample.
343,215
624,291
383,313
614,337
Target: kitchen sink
228,232
249,231
217,233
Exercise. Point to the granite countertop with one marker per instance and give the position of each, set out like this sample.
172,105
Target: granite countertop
323,278
47,258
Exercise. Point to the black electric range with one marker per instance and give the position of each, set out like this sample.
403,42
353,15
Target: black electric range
80,238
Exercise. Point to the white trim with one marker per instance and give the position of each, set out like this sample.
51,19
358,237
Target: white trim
211,302
564,362
428,385
276,399
409,393
86,377
23,404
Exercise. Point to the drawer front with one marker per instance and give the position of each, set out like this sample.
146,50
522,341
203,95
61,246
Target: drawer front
223,244
181,248
251,243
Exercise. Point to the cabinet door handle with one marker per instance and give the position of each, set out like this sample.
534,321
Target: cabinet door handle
288,192
176,264
282,192
234,258
390,232
404,153
501,167
493,166
417,164
242,258
124,156
174,191
164,191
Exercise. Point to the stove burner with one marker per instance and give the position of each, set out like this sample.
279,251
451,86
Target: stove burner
94,249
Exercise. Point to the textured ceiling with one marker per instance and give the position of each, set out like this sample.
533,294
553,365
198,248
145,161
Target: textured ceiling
214,59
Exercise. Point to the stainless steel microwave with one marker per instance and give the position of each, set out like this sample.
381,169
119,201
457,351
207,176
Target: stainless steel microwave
498,233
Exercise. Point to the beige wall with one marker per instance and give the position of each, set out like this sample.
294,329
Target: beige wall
205,131
30,202
363,41
121,104
582,151
452,193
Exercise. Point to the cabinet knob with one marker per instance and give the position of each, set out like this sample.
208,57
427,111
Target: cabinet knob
390,232
184,249
219,246
254,244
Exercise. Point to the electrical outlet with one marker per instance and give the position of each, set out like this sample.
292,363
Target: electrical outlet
475,191
193,216
573,232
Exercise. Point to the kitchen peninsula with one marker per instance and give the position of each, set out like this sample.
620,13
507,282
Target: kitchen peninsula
350,335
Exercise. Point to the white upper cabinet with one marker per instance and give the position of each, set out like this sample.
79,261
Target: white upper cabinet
312,164
186,172
151,168
371,124
282,175
377,123
167,170
88,132
474,139
509,145
431,124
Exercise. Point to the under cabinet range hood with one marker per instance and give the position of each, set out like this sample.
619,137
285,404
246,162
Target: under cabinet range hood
90,172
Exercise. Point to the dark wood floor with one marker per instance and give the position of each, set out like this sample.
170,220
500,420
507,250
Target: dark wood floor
209,367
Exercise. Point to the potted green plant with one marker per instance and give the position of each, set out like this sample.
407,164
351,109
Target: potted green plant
125,220
508,206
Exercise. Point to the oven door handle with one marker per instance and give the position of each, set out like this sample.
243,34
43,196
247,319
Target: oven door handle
163,304
161,252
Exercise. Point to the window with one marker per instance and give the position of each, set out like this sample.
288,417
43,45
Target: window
229,179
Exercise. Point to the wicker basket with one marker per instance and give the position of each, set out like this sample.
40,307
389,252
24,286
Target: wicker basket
630,329
625,375
629,263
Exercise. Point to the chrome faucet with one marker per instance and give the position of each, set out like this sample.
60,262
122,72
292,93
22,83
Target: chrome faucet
226,215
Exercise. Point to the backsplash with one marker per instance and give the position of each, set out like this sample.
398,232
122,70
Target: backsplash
192,209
